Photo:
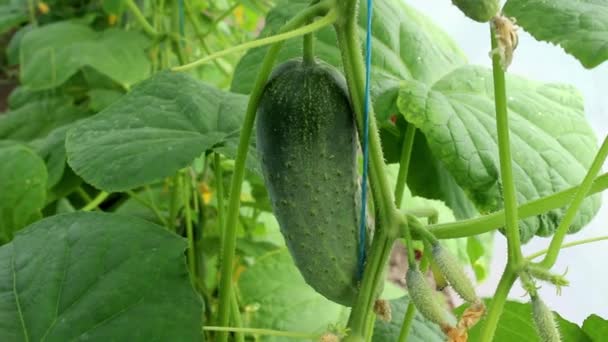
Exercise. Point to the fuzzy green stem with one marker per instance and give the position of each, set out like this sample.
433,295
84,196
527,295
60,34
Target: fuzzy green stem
504,151
568,245
371,322
265,332
141,19
354,69
309,49
577,201
497,304
491,222
225,287
96,201
315,26
404,163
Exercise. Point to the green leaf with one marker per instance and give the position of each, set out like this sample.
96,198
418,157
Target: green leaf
22,188
516,324
52,150
161,126
102,98
421,330
552,143
579,27
97,276
50,55
406,45
283,300
37,117
596,328
11,15
479,251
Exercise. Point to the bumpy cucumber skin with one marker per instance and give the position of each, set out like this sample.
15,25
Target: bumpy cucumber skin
307,142
478,10
544,321
453,272
423,297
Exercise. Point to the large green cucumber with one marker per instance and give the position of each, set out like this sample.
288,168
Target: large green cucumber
307,142
478,10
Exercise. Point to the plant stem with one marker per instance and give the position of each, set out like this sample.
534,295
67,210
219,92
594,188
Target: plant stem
265,332
581,193
178,44
184,184
568,245
173,202
497,304
373,274
141,19
404,163
32,12
490,222
219,191
354,69
198,31
325,21
239,167
348,41
309,49
236,317
96,201
504,151
220,18
410,313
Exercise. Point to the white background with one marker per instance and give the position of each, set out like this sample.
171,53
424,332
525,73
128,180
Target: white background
588,275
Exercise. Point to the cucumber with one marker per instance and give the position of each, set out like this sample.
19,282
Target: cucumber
478,10
307,143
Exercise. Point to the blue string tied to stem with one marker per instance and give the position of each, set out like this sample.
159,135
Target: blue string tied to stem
365,140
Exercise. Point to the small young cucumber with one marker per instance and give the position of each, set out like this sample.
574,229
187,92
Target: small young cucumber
423,297
307,142
478,10
453,272
544,321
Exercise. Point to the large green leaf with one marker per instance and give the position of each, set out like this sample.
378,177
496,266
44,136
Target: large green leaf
11,15
22,188
50,55
516,324
96,277
406,45
596,328
421,329
161,126
283,300
552,143
38,117
580,27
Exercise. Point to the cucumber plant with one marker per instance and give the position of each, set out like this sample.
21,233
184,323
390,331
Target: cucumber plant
141,199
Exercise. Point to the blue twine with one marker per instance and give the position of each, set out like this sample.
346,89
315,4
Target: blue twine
368,63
